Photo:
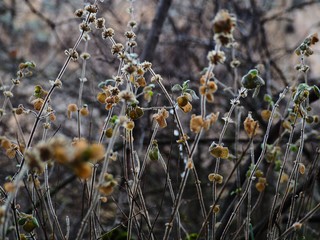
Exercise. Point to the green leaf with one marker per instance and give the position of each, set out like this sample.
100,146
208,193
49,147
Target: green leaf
316,91
176,88
267,98
185,85
192,236
192,93
294,148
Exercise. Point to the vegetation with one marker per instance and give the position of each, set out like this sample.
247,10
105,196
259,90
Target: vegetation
133,143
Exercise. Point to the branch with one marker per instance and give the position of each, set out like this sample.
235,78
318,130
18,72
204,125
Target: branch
155,31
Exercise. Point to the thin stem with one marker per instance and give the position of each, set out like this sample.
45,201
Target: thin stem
52,211
251,177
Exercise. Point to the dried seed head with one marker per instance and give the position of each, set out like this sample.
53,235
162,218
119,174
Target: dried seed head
161,117
216,209
116,48
109,132
106,189
130,35
265,114
84,111
129,68
132,24
212,86
182,101
83,170
100,23
196,123
250,126
129,125
91,8
297,226
78,13
302,168
146,65
210,97
97,152
85,55
5,143
45,151
216,57
37,103
187,108
260,186
101,97
84,27
72,107
91,19
215,177
108,32
219,152
141,82
33,160
127,96
9,187
156,78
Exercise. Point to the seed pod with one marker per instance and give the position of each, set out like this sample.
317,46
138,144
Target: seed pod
216,209
109,132
219,152
83,170
154,152
302,168
260,186
182,101
252,80
265,114
30,224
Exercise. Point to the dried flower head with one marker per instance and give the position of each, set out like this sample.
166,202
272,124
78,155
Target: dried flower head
116,48
83,170
216,57
107,33
215,177
146,65
260,186
156,78
130,35
84,111
127,96
250,126
297,226
37,103
210,120
79,13
72,107
33,160
84,27
85,55
196,123
129,125
265,114
132,24
219,151
73,54
100,23
91,8
224,22
161,117
101,97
